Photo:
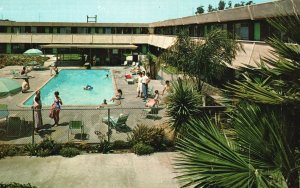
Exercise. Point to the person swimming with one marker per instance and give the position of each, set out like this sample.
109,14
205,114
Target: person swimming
88,87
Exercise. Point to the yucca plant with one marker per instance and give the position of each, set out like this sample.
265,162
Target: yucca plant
258,156
184,102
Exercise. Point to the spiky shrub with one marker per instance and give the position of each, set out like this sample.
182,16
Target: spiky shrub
9,150
142,149
104,147
16,185
183,103
154,137
69,152
258,156
46,148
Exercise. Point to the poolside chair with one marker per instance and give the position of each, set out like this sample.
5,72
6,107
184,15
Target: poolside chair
3,114
152,112
3,111
17,75
125,63
76,125
151,92
116,122
39,68
14,126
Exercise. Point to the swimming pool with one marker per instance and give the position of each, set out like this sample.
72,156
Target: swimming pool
70,84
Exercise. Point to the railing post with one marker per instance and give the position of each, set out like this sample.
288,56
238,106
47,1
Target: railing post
33,123
109,126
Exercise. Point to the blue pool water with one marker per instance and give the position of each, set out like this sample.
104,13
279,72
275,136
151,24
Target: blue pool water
70,84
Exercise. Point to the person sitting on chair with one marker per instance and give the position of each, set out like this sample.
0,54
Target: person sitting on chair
154,101
25,85
103,104
118,96
55,69
24,71
88,87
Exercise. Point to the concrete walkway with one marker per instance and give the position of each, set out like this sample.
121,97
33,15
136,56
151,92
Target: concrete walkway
92,170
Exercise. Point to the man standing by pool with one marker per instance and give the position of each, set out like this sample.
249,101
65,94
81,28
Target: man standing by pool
145,82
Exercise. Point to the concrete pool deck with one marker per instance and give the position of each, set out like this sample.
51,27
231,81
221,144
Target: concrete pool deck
93,170
91,117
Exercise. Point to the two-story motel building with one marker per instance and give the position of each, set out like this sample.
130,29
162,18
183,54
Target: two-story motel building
109,41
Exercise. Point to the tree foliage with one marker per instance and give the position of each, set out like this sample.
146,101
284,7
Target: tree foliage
257,156
229,6
184,103
264,151
222,5
203,60
200,10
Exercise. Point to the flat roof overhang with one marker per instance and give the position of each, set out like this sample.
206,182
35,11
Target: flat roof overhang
99,46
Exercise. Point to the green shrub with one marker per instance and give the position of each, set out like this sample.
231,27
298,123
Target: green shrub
20,59
142,149
69,152
32,149
46,148
120,144
9,150
16,185
104,147
151,136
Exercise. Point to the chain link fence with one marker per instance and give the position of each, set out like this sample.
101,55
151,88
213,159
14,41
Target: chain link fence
82,125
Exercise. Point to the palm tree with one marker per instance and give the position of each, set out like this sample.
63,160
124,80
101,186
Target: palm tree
257,156
152,65
265,149
204,60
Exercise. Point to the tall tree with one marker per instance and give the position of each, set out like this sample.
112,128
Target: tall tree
200,10
210,8
229,5
263,150
222,5
202,60
242,3
249,3
152,65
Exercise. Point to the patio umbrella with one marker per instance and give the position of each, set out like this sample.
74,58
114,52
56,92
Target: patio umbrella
33,52
9,86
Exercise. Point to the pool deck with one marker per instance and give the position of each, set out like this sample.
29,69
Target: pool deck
91,117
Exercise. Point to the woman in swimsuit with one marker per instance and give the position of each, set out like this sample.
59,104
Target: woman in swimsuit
56,108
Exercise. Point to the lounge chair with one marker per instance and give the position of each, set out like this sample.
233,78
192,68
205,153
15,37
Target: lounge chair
152,112
17,75
116,122
39,68
151,92
3,111
125,63
3,114
76,125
